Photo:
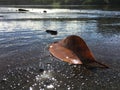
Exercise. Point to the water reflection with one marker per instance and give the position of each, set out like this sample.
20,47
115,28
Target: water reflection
109,27
13,26
61,26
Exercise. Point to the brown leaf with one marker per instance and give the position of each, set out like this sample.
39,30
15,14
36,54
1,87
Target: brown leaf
74,50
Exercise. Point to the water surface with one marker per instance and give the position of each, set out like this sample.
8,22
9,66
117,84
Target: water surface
26,64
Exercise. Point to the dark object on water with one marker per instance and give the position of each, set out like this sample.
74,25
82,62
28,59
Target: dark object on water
45,11
22,10
74,50
52,32
41,70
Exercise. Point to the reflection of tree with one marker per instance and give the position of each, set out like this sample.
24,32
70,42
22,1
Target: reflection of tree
108,27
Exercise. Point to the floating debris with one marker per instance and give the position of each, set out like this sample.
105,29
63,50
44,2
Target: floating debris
52,32
74,50
22,10
45,11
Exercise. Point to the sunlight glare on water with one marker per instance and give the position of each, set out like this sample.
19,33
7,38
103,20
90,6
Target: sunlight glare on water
45,81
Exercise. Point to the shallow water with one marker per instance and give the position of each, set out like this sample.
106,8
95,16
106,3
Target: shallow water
26,64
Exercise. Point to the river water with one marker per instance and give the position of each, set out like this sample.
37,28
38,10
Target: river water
26,64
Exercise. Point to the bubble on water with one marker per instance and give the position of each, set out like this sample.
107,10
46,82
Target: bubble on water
11,86
45,85
48,64
50,86
68,87
67,77
18,84
83,84
45,80
75,66
58,71
81,77
65,84
31,72
8,65
4,79
46,74
30,88
42,89
61,81
53,79
27,81
23,87
114,77
35,84
58,85
97,82
37,77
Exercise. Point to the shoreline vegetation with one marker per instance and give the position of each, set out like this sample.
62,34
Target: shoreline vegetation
59,2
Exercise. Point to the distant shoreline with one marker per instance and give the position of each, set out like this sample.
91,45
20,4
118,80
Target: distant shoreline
35,6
